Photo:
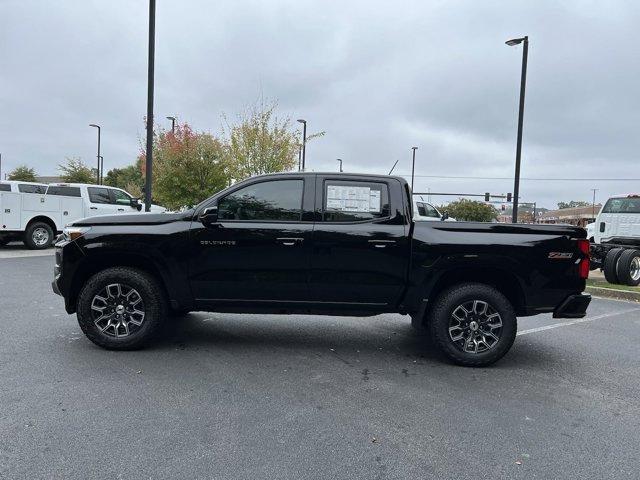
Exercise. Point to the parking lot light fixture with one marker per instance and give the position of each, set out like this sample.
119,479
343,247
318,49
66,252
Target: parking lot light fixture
98,169
304,140
340,160
523,83
173,123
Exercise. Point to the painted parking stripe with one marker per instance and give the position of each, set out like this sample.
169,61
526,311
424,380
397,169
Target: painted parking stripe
576,321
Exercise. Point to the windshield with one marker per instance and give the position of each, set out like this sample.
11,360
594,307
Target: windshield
622,205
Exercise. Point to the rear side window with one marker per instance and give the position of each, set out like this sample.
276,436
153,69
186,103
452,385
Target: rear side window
622,205
278,200
27,188
98,195
5,187
354,201
64,191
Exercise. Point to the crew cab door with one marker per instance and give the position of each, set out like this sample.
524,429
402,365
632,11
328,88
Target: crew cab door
361,247
259,248
100,201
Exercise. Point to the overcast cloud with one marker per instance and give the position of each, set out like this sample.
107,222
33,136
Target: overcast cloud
377,76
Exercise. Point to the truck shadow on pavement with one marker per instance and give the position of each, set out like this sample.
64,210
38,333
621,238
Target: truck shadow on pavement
346,338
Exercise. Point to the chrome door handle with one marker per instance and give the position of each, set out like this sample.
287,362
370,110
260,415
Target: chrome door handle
381,243
290,242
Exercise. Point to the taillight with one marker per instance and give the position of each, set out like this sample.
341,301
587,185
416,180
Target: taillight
583,266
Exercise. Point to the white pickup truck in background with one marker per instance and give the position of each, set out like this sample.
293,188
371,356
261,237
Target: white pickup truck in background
36,218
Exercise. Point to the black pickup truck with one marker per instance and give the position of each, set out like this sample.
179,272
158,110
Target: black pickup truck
334,244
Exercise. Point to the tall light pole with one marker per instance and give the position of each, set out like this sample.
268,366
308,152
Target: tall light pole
101,170
299,157
149,153
0,166
304,140
98,170
413,166
523,84
173,124
340,160
593,204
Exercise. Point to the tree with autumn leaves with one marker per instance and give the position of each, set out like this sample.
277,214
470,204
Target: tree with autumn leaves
189,166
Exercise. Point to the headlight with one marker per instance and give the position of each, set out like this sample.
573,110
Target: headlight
73,233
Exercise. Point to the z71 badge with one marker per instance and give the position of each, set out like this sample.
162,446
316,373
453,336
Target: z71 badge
560,255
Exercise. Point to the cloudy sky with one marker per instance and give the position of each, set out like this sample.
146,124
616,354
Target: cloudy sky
377,76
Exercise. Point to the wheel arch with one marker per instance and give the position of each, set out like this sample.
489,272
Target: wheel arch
504,281
44,219
95,263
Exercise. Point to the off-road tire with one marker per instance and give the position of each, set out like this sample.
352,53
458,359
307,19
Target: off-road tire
155,307
442,311
31,230
624,266
610,265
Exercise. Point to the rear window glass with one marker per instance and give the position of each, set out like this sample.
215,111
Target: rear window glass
27,188
99,195
5,187
622,205
64,191
353,201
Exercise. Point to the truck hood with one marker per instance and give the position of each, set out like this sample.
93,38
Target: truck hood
133,219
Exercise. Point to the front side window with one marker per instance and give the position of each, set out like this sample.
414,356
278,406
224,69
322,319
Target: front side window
64,191
278,200
354,201
622,205
120,198
99,195
5,187
28,188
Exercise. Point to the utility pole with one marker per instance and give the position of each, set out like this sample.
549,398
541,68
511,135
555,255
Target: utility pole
304,141
98,169
593,204
149,153
523,85
413,166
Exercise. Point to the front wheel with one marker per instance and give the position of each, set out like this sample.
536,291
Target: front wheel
473,324
38,235
121,308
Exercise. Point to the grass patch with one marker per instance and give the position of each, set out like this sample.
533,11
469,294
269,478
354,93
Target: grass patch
604,284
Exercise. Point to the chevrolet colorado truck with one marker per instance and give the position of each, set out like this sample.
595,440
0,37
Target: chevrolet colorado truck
320,243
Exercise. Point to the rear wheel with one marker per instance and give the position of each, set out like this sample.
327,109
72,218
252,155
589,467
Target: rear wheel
628,268
121,308
38,235
610,266
473,324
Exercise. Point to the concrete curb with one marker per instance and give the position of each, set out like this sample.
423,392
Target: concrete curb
613,293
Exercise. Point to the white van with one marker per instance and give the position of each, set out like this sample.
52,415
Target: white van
35,218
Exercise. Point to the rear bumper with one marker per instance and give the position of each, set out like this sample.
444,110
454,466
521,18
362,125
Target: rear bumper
574,306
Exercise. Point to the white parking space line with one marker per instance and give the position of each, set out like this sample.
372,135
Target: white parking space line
576,321
25,253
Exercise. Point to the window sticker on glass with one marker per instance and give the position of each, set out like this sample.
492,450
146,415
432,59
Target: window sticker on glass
352,199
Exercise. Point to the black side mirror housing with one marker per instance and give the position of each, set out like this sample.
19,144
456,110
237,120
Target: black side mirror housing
209,216
444,216
135,203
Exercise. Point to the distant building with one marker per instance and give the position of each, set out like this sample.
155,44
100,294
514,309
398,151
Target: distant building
48,179
578,216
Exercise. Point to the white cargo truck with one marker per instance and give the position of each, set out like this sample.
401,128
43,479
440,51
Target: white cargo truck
36,218
616,247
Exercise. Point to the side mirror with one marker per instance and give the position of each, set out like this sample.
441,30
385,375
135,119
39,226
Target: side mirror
135,203
209,216
444,216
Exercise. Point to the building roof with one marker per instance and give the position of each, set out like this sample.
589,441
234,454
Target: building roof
571,213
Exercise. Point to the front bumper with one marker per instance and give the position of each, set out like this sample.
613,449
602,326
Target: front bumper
574,306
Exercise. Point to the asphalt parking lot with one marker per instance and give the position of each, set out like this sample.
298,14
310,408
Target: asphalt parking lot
253,396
